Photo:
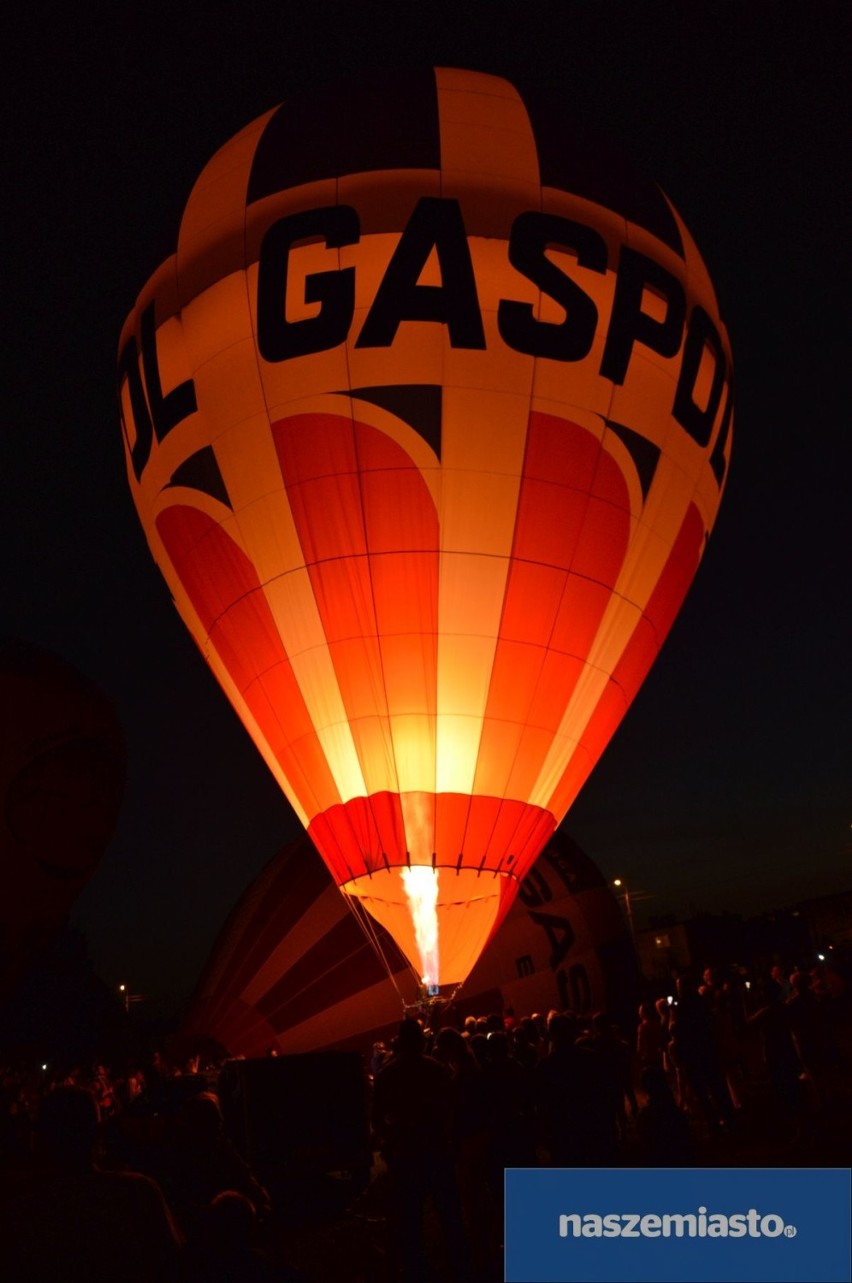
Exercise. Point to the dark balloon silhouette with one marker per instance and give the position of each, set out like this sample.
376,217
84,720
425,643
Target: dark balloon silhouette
62,770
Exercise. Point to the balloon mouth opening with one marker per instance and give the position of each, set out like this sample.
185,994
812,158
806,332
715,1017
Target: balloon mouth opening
441,918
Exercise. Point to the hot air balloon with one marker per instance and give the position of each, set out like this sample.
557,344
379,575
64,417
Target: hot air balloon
291,969
427,421
61,785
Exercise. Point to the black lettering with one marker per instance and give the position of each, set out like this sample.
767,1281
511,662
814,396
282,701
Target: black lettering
697,422
560,933
435,224
629,324
279,339
717,458
564,865
534,889
128,368
180,403
568,340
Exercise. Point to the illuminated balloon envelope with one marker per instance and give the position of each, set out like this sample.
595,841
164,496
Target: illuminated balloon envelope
61,785
292,970
427,421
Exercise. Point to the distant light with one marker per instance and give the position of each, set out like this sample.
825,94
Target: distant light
821,957
44,1067
616,882
122,988
748,984
669,998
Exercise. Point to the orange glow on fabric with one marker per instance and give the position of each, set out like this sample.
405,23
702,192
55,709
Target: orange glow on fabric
427,424
292,968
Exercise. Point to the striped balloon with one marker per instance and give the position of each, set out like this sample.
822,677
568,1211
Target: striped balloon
427,421
290,969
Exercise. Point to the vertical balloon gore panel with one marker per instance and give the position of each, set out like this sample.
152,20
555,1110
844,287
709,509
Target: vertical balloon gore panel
427,422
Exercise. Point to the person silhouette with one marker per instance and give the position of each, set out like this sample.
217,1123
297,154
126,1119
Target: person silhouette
413,1122
80,1224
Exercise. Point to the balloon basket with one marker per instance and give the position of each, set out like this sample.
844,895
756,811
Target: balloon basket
428,1007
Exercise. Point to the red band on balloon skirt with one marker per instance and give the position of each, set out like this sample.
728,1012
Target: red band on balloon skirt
486,833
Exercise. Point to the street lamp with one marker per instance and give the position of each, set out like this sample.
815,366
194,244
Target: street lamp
619,882
128,997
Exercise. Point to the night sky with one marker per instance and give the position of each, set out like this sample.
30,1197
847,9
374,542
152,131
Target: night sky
727,785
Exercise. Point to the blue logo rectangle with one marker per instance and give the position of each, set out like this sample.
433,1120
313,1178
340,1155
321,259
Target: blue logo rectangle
684,1225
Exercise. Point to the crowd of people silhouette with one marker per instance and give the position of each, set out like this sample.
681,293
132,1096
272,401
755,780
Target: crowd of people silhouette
129,1172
